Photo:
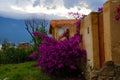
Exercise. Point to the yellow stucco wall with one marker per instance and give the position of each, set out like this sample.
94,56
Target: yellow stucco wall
72,31
89,30
111,31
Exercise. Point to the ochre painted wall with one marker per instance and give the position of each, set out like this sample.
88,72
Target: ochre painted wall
101,35
111,31
101,39
89,30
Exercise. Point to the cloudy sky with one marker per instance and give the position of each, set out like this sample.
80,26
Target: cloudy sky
13,13
50,9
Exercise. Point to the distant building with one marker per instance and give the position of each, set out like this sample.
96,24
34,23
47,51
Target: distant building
11,45
0,46
24,45
7,45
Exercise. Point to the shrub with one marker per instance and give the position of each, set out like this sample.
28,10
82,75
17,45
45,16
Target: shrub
15,55
60,58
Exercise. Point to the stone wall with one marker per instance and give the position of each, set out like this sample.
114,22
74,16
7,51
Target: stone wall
109,71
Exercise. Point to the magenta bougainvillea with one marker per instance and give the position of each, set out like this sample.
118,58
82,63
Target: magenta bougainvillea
59,57
100,9
117,15
77,15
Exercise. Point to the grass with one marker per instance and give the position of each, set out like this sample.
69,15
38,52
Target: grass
22,71
26,71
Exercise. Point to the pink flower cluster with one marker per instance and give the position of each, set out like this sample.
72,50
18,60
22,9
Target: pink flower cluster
117,15
100,9
57,55
77,15
60,56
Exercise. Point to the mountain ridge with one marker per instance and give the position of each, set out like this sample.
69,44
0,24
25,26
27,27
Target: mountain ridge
13,30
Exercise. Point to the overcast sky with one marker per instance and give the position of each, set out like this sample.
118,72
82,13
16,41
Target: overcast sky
50,9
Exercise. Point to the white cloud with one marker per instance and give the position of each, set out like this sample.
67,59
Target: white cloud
51,9
94,4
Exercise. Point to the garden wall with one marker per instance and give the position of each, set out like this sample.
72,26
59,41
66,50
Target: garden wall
101,34
111,31
89,30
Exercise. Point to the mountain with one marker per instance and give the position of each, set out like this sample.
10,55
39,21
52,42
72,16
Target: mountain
13,30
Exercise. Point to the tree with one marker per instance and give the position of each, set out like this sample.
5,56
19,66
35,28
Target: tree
5,45
33,25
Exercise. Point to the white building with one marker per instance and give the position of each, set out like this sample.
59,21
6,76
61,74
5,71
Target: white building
0,46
